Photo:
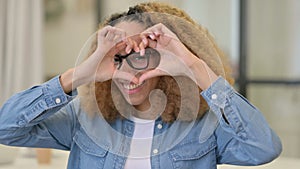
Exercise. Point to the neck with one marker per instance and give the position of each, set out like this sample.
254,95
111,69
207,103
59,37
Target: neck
145,112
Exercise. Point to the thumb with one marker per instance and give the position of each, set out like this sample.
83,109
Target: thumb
150,74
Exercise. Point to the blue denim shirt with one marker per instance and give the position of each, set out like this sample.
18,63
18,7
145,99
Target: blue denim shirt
44,116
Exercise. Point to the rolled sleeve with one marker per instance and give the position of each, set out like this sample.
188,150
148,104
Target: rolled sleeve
225,102
24,117
218,92
53,98
35,104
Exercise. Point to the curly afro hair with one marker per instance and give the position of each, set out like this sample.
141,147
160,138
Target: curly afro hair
194,36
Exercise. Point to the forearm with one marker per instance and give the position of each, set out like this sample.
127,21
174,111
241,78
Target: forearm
203,76
72,79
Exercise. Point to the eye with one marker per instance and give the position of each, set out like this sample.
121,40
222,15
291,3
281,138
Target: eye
139,58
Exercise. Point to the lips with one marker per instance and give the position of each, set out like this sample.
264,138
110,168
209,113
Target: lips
132,88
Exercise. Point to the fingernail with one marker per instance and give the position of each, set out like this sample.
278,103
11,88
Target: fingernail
142,52
152,36
145,41
128,51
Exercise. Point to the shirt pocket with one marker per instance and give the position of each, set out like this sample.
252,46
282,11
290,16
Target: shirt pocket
89,153
194,155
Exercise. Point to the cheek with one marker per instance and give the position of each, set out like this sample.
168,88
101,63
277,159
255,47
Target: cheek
153,82
117,86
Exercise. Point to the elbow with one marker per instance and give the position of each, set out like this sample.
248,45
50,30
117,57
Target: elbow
275,148
274,151
267,158
269,150
8,138
4,138
270,153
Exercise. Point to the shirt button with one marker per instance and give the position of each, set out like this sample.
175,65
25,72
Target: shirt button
57,100
214,96
155,151
159,126
21,122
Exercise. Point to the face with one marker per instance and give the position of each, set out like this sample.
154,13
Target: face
135,94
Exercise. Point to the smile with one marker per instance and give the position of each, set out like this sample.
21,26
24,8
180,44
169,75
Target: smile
132,86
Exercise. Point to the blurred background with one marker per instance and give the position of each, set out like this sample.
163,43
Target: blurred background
40,39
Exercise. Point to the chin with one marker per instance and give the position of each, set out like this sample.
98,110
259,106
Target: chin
135,100
136,94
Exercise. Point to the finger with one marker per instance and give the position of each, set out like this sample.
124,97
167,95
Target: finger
109,35
160,29
150,74
114,34
144,39
129,46
154,31
158,33
152,43
117,48
120,33
148,34
102,32
142,48
152,36
135,46
117,38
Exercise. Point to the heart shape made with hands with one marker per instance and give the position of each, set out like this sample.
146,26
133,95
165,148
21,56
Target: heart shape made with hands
151,58
135,43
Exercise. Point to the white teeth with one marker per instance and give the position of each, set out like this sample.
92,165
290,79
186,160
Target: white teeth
131,86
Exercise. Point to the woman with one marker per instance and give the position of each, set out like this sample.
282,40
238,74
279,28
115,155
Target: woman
122,119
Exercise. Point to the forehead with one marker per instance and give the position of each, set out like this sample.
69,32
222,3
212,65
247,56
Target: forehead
130,27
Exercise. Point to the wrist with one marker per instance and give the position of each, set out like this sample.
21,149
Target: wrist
70,80
66,80
204,75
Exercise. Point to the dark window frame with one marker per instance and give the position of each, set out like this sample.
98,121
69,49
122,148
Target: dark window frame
243,80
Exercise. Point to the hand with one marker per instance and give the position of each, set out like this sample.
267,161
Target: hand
175,56
176,59
99,66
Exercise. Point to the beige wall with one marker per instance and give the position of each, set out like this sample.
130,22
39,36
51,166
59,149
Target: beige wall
220,18
112,6
65,35
274,41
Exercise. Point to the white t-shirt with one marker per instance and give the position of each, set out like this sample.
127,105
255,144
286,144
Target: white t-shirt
140,150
